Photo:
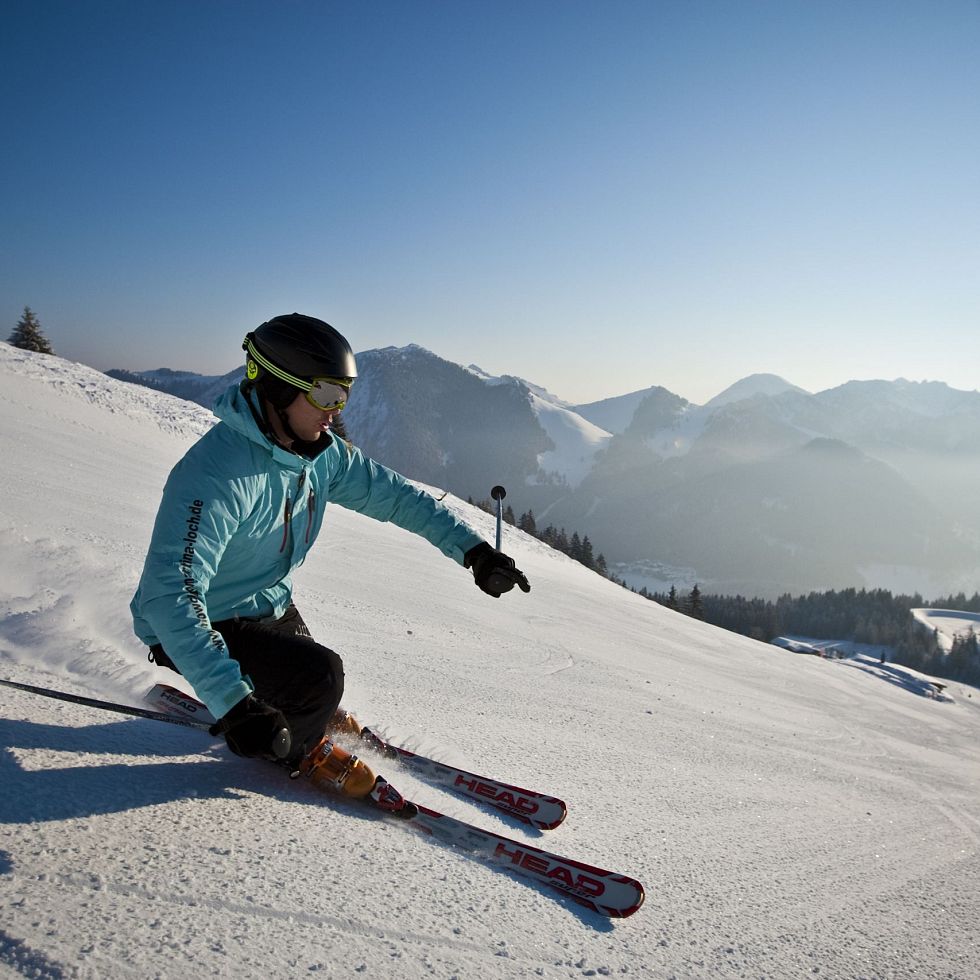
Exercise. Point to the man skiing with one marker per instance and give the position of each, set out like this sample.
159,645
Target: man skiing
239,512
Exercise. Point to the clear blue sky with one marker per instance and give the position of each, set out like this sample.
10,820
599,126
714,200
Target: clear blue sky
596,196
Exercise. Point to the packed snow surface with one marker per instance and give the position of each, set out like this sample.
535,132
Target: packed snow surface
789,816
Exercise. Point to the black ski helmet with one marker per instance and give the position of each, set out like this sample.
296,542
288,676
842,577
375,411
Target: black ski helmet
288,351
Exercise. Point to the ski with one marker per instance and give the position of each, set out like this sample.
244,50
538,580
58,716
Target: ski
604,892
528,806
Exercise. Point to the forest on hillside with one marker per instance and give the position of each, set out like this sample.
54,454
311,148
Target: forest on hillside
872,616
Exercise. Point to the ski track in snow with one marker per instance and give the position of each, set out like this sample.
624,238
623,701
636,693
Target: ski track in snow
789,817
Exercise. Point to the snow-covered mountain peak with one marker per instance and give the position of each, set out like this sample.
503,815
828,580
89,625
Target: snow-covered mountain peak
922,399
751,386
618,413
408,350
480,373
536,389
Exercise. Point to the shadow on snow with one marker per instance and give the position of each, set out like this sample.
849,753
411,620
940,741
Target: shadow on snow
51,794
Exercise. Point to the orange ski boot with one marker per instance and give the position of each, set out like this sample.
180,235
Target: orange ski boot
343,723
331,765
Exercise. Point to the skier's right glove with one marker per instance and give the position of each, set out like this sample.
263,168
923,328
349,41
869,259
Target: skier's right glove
254,728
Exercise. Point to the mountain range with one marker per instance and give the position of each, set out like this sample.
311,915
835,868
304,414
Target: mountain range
765,489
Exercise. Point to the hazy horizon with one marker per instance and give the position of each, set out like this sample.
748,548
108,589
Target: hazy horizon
516,372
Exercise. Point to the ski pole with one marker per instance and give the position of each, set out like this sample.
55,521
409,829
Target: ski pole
280,745
498,493
123,709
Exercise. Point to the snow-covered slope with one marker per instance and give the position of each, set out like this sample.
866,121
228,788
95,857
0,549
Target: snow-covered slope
789,817
576,441
949,624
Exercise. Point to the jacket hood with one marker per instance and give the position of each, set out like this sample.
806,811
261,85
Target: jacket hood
236,411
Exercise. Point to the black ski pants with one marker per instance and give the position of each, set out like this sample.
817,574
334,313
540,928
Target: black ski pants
287,668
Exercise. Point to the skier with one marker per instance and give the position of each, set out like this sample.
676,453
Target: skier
239,512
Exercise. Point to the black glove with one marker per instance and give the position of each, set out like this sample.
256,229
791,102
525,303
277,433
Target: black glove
493,571
254,728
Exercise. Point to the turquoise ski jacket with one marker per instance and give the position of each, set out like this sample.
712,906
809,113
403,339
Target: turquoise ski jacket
238,514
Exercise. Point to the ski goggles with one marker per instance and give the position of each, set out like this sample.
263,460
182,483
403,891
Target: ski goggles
329,394
326,394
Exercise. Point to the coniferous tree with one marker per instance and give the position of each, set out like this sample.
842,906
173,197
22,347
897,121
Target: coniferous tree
527,524
963,660
588,558
577,546
562,542
695,609
672,602
27,334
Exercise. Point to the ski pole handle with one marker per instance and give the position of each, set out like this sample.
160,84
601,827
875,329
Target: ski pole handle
498,493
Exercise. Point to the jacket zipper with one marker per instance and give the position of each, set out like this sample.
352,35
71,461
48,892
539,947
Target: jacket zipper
287,514
310,509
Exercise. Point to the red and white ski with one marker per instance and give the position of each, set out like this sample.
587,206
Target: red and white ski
526,805
606,892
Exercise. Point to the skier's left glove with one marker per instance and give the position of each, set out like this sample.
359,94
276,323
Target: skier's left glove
493,571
